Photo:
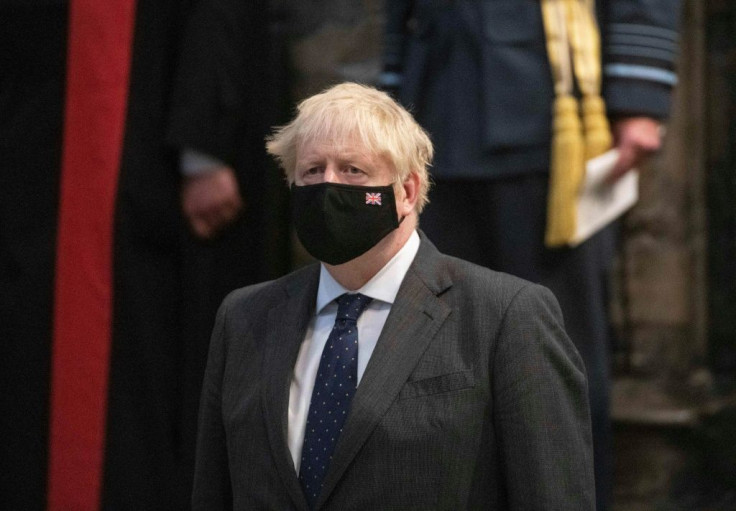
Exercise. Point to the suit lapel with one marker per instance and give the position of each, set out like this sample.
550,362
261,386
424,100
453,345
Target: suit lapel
287,326
416,316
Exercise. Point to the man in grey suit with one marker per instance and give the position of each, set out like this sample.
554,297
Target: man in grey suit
390,376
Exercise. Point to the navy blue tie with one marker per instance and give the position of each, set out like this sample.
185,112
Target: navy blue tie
334,387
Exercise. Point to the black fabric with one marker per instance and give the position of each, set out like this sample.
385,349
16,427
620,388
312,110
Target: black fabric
337,223
32,60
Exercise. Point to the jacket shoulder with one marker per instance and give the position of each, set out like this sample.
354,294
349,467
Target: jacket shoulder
494,293
474,278
264,295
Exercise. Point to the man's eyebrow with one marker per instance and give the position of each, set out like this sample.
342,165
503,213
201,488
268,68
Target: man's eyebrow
343,157
309,160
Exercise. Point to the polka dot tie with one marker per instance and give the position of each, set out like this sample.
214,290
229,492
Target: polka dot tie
334,387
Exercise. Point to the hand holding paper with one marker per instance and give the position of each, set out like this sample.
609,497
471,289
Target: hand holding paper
602,201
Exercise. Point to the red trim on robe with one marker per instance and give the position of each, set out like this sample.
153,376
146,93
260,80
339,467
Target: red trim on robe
98,68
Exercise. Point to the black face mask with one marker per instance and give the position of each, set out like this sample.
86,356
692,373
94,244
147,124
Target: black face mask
336,223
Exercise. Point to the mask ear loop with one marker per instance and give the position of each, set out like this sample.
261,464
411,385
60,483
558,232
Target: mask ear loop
393,185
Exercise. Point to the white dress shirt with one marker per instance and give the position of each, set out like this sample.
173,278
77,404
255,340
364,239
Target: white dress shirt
383,288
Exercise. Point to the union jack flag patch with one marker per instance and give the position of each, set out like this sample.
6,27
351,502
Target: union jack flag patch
373,199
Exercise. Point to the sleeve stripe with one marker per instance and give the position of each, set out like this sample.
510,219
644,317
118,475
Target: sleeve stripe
646,30
644,41
651,74
640,51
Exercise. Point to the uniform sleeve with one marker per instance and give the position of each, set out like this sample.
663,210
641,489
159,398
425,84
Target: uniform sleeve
639,45
541,414
212,486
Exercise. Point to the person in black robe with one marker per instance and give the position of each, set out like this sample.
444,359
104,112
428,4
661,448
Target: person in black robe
197,214
200,91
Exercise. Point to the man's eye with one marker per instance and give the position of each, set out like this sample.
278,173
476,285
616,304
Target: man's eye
312,171
354,170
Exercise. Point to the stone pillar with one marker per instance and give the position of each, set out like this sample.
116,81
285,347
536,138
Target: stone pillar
672,418
659,302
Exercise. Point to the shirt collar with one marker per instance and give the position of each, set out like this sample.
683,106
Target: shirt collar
384,285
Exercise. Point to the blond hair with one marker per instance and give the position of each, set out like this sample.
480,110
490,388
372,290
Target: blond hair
349,111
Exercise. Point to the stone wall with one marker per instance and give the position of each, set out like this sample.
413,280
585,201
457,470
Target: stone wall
720,130
659,305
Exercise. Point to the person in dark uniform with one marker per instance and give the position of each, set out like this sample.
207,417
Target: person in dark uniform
477,76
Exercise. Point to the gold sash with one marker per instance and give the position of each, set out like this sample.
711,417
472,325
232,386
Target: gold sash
573,48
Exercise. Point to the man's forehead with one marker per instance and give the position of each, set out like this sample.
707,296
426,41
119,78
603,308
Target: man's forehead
344,147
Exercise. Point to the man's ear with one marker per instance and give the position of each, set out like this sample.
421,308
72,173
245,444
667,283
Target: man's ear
410,186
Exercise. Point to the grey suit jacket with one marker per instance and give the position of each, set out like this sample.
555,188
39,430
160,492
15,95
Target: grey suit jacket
474,398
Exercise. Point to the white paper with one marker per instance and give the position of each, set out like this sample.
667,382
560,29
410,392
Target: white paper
600,203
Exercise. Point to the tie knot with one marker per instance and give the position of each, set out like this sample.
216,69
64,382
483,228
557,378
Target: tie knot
351,306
